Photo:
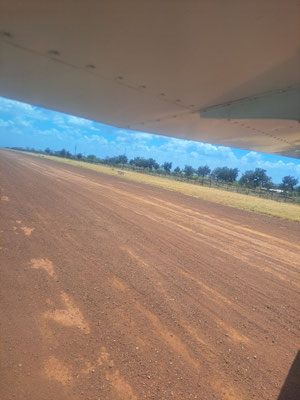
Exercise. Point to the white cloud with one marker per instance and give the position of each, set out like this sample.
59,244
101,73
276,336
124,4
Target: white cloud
139,136
20,110
5,124
7,105
121,139
93,139
79,121
251,157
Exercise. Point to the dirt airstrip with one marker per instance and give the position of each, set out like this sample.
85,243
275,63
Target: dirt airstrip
116,290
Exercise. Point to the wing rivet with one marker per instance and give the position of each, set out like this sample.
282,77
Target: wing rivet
7,34
54,52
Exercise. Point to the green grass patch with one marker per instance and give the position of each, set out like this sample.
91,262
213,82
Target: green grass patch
232,199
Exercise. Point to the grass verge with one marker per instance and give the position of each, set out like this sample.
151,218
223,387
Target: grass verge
232,199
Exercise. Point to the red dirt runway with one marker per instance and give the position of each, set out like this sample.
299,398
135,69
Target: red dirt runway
117,290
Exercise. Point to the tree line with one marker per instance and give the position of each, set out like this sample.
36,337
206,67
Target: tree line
252,179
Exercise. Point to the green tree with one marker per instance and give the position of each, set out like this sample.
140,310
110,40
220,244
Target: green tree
188,171
225,174
63,153
167,166
288,183
122,159
144,163
255,178
203,171
91,157
153,164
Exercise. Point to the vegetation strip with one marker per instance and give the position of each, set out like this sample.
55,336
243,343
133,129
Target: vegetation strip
228,198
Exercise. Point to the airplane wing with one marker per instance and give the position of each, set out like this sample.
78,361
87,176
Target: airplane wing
222,72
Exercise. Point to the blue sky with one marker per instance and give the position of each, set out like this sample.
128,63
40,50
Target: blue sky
28,126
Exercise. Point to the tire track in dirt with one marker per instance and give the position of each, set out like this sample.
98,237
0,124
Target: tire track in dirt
123,291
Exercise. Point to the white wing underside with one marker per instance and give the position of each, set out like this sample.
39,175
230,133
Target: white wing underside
222,72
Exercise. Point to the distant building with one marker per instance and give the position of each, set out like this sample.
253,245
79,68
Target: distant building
273,190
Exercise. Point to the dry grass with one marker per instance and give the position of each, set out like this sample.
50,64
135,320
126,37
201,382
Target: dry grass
232,199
